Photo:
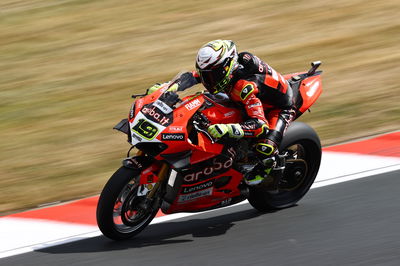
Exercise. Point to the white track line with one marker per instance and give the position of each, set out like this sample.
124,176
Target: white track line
21,235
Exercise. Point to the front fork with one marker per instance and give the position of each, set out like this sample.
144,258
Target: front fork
162,174
149,172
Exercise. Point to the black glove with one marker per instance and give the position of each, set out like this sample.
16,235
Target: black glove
186,80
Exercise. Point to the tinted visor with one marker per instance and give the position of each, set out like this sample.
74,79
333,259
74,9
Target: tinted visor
214,79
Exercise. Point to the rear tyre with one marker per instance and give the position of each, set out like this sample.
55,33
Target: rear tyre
302,146
121,213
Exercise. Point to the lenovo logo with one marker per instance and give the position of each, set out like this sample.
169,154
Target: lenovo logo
173,136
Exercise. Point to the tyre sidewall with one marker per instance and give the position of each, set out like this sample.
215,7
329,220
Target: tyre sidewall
107,199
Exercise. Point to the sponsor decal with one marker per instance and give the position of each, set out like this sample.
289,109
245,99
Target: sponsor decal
175,128
152,112
172,136
269,69
193,104
229,114
132,163
132,112
248,133
195,195
163,107
136,137
218,166
226,202
186,190
246,91
145,129
247,57
260,65
253,105
136,163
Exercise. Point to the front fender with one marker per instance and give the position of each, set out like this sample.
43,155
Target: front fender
147,166
137,162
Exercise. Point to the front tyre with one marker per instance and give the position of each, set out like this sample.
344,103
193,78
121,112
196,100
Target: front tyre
121,212
302,148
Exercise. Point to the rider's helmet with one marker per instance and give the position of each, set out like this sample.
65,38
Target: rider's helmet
215,63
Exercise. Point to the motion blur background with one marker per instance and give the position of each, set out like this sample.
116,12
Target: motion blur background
68,68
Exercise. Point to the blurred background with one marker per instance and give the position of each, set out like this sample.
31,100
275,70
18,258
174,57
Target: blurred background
68,68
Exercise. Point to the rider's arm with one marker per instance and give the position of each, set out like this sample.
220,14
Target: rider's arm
245,93
185,81
188,79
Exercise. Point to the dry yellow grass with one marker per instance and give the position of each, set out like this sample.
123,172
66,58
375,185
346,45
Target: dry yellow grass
67,69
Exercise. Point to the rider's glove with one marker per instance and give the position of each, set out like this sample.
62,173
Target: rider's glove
153,88
219,130
157,86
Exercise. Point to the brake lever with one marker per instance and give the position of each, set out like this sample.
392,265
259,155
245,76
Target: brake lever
195,124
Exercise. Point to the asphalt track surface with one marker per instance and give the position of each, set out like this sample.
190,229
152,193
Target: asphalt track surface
350,223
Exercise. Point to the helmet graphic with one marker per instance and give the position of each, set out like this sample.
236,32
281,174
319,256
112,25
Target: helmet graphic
215,63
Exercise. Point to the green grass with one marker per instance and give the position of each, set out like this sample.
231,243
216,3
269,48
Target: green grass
67,69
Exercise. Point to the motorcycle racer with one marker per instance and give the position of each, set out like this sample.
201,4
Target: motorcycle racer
264,94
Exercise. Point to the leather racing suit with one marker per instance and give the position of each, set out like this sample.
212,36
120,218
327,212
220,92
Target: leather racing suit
266,97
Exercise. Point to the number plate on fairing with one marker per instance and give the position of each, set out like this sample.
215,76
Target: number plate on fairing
145,129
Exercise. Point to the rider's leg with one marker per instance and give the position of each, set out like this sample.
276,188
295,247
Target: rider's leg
267,149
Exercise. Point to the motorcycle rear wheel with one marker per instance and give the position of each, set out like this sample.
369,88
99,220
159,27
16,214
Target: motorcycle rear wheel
120,211
303,145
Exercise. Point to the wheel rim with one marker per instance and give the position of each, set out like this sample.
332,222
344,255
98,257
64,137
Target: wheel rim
294,179
295,176
127,214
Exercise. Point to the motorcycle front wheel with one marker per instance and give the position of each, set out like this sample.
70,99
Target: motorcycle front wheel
122,212
302,148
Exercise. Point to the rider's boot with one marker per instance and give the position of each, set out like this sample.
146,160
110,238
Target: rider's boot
261,172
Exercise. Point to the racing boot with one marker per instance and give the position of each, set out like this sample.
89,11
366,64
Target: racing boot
261,172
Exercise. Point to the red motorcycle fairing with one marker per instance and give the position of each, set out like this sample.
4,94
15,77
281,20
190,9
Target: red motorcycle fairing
176,133
306,89
221,113
209,179
310,90
208,184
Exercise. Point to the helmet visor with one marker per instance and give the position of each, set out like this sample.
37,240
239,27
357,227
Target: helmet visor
217,78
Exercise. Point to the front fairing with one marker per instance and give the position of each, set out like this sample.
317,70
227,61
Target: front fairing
158,128
202,167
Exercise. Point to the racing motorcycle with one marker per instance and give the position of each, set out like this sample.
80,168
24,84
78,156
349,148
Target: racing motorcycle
179,167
